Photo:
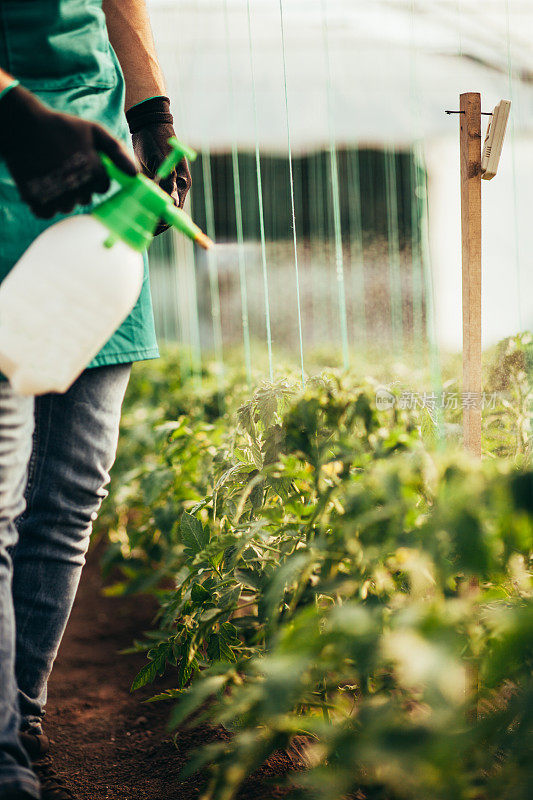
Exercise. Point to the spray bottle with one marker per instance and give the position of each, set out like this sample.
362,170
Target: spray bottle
80,278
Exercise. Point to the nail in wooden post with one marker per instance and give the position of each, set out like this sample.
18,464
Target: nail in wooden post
471,234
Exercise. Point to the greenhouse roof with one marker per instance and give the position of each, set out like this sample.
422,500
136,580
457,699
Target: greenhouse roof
366,71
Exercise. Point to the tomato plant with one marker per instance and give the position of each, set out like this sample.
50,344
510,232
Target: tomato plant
325,573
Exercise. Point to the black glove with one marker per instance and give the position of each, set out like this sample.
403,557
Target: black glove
53,157
151,127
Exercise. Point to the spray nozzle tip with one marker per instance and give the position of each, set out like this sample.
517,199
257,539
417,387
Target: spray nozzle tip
204,241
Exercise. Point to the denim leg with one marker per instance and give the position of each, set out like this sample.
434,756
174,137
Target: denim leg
16,425
74,447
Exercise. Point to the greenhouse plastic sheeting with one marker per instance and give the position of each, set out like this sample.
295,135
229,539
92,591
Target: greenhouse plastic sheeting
394,67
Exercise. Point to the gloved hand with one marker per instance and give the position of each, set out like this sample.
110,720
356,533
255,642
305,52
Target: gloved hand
151,126
53,157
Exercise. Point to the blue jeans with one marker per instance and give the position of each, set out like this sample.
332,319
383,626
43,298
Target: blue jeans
55,455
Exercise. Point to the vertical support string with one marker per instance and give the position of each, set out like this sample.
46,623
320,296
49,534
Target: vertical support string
238,212
460,25
191,304
395,275
417,190
165,280
320,303
424,276
512,98
187,300
299,171
293,208
172,290
260,200
357,253
334,174
184,287
429,294
212,265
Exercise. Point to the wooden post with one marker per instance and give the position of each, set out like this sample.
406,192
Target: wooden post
471,234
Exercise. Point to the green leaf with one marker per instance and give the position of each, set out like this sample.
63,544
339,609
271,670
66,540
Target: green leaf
198,506
155,667
168,694
257,455
366,412
274,438
257,495
219,649
156,483
209,614
230,632
428,429
229,599
185,660
267,404
193,534
146,674
236,470
250,578
185,671
245,415
193,699
199,594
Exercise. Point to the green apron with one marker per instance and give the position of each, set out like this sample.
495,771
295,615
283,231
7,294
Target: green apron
60,50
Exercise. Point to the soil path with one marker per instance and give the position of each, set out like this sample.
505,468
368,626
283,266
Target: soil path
111,744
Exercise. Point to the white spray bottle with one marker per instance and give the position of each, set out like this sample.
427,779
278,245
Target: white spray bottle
79,280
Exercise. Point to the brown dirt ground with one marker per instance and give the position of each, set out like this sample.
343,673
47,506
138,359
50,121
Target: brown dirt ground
112,745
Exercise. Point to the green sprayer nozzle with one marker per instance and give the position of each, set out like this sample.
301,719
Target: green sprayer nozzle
133,212
179,151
